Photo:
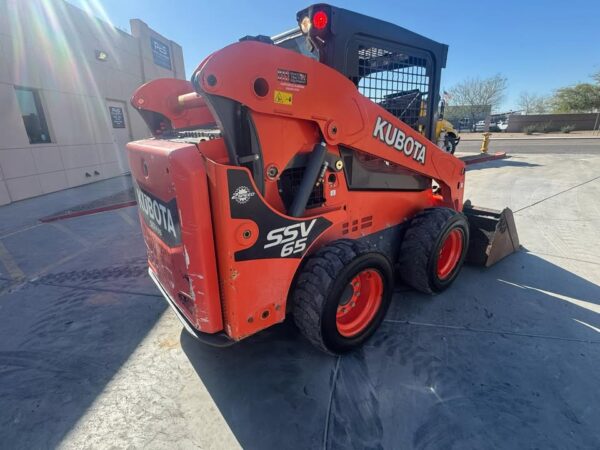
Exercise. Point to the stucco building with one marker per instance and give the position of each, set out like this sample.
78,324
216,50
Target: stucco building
65,82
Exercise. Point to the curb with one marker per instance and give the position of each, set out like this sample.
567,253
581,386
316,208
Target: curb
492,138
86,212
479,158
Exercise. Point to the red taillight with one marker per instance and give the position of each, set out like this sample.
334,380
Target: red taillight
320,20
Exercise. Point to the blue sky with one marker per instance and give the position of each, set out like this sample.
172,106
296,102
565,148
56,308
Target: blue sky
538,45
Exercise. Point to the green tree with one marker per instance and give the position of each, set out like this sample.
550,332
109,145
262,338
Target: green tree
582,97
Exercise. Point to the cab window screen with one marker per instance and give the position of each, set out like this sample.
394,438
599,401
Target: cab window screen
397,81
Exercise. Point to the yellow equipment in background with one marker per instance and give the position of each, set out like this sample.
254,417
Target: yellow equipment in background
445,134
410,107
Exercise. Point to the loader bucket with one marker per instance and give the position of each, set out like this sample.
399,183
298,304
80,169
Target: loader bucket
493,234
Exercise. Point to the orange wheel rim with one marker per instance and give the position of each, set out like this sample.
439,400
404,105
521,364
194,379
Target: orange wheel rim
359,303
450,254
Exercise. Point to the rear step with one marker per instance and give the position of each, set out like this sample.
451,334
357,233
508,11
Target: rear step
493,234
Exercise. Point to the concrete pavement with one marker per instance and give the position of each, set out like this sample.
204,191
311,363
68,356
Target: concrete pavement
467,136
508,357
535,146
80,330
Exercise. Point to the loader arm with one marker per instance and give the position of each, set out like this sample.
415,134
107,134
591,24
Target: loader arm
178,107
276,83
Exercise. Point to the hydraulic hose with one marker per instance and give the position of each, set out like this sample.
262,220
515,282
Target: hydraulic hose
310,178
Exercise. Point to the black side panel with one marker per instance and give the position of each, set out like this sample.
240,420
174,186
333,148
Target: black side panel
369,173
278,237
239,133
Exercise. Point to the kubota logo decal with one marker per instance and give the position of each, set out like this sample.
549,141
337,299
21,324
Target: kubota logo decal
291,238
397,139
161,217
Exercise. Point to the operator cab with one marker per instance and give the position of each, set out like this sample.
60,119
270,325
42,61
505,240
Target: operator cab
392,66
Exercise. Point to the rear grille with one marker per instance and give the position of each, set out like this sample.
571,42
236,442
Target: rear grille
193,135
289,182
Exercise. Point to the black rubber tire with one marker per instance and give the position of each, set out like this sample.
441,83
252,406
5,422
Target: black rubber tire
420,249
319,287
450,143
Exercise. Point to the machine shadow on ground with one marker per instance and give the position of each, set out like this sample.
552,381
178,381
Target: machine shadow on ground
506,358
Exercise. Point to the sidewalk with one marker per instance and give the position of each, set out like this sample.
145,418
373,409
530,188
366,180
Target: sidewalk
26,213
477,136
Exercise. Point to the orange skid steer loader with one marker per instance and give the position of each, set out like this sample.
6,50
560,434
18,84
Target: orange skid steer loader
282,180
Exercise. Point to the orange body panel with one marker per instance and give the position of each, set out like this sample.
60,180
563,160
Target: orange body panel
239,250
177,102
166,172
254,292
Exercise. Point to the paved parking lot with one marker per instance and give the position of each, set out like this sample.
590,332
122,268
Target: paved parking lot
535,145
508,357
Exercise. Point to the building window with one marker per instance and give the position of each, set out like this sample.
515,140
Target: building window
33,115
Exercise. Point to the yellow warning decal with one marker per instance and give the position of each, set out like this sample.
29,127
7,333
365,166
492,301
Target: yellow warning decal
283,98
